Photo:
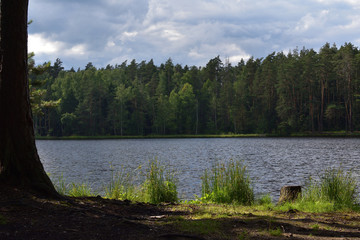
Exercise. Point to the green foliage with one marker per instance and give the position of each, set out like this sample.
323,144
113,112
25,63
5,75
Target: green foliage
276,232
227,183
159,186
334,191
315,227
265,200
335,186
80,190
72,189
303,91
61,186
121,186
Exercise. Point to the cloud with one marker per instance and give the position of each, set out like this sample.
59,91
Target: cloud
41,45
190,31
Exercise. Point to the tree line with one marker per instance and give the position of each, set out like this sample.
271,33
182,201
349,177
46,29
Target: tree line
301,91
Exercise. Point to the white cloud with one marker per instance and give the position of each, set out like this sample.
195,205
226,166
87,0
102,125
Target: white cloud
231,51
40,44
76,50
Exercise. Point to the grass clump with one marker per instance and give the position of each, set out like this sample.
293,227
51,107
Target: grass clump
80,190
228,183
336,190
160,185
61,186
275,232
121,186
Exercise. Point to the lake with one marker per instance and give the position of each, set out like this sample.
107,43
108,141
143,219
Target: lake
271,162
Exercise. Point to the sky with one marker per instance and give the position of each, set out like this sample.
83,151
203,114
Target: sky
190,32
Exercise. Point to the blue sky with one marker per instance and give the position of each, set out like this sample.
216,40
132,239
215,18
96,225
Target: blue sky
191,32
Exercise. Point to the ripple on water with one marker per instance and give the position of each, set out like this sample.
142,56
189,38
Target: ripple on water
271,162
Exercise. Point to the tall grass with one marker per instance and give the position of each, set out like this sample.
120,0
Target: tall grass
335,187
80,190
160,185
227,183
121,186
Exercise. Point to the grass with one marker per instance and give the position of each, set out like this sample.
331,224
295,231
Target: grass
80,190
159,186
275,232
227,183
203,226
73,189
315,227
121,186
335,190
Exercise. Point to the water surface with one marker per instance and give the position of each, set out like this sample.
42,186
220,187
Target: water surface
272,162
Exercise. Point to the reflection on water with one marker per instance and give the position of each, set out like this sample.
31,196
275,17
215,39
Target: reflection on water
272,162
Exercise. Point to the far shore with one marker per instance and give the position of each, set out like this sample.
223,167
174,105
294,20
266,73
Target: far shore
341,134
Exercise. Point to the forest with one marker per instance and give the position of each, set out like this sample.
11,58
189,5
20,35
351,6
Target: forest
296,92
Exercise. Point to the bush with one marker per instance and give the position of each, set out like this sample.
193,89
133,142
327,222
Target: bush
228,183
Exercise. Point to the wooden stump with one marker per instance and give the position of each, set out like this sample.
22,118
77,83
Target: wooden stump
289,193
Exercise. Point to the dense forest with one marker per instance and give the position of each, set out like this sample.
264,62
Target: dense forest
302,91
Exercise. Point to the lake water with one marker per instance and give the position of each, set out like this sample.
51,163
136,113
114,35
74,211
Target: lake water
271,162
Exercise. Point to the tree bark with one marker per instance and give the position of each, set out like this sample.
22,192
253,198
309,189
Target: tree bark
289,194
19,161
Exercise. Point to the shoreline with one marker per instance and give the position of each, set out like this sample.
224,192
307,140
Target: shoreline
293,135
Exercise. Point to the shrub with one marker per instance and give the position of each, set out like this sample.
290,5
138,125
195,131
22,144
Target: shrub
228,183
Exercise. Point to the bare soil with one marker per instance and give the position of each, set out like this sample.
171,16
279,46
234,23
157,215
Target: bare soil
26,216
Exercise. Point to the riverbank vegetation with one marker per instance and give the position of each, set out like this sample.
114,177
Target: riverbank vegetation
225,183
283,93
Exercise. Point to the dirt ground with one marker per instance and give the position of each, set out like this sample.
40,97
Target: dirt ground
24,216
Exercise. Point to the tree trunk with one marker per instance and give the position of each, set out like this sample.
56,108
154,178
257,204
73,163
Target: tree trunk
19,161
289,193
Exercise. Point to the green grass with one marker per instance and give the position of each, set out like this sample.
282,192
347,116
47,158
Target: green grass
121,186
275,232
80,190
334,191
227,183
160,185
315,227
72,189
61,186
203,226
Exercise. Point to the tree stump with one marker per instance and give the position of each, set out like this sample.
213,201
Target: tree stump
289,194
